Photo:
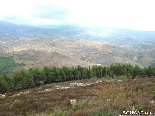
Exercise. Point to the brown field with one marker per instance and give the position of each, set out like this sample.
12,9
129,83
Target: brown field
105,95
17,49
20,49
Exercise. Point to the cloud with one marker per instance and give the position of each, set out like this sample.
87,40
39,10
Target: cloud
133,14
34,14
50,12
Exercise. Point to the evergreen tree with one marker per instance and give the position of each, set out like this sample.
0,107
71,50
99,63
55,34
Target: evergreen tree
89,73
137,71
38,76
48,75
3,85
19,80
29,79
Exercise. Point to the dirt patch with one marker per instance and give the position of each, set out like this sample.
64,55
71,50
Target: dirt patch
18,49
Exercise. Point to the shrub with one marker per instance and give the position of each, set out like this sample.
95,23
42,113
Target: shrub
79,105
59,113
122,77
107,77
153,91
93,79
110,112
140,106
42,84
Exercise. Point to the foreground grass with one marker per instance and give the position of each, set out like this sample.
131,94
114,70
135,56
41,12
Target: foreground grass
108,98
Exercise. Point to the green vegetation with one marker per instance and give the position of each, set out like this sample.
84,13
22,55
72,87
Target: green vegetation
153,91
3,85
93,79
109,112
7,63
34,77
79,105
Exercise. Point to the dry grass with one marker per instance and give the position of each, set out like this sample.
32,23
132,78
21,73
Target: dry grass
126,94
90,99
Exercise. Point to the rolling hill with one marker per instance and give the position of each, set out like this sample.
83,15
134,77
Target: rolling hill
24,47
60,52
72,45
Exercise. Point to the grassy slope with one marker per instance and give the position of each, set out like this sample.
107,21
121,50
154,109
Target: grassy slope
108,97
36,58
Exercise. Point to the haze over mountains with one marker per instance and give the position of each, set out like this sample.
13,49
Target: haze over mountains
73,45
72,32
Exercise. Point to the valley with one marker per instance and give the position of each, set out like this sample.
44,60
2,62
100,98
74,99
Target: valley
113,70
77,58
74,46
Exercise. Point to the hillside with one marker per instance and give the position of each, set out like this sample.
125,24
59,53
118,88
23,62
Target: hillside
59,52
36,58
74,45
108,97
150,53
94,52
135,45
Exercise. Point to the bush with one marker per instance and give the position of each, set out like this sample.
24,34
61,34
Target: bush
122,77
42,84
153,91
109,112
59,113
140,107
79,105
93,79
107,77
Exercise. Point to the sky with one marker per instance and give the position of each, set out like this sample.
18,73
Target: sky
129,14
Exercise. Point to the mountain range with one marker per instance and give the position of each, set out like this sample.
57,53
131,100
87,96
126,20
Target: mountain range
73,45
72,32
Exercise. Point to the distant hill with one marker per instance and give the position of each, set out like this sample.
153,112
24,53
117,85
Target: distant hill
59,52
72,45
37,58
112,35
10,30
135,45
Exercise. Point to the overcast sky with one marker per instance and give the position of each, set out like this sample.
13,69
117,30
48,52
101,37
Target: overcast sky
131,14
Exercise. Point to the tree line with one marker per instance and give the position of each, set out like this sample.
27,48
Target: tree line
34,77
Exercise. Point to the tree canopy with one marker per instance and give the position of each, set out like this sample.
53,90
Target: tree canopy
33,77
